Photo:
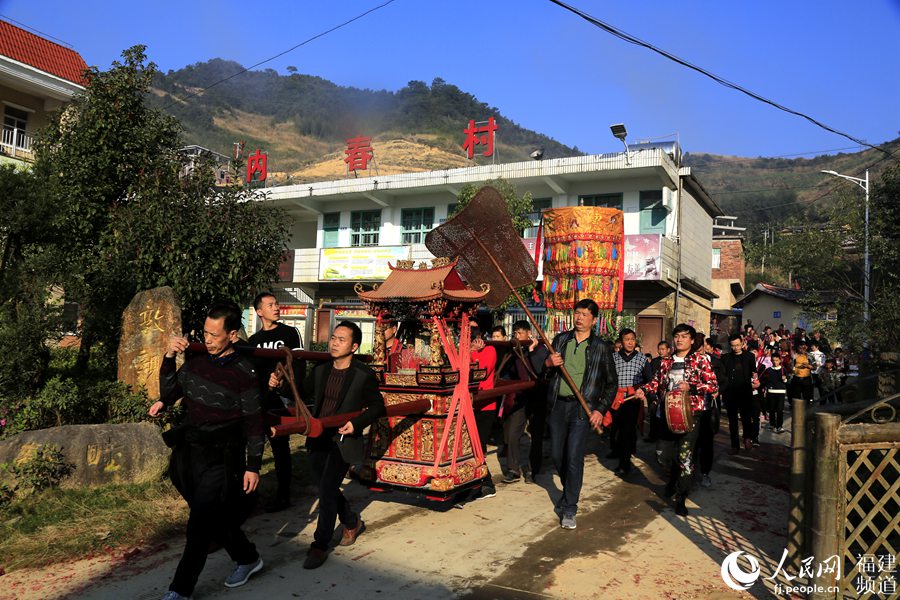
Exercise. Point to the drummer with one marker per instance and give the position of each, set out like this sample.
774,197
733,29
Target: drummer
685,371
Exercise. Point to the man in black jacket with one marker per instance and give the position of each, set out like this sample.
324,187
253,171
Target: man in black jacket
217,451
589,361
341,386
708,425
273,335
739,368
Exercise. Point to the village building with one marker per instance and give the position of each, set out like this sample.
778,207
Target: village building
728,275
37,77
346,231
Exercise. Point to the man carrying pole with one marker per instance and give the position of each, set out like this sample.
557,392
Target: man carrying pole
588,359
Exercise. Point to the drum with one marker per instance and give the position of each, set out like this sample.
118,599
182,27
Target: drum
679,415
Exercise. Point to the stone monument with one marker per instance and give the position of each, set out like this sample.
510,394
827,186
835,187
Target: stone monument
152,317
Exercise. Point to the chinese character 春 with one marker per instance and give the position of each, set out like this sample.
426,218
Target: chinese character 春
887,563
866,563
473,140
257,163
359,153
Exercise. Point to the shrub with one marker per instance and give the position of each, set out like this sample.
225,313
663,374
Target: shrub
46,469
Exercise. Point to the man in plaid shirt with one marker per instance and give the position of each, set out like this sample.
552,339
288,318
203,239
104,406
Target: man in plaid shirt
689,371
624,417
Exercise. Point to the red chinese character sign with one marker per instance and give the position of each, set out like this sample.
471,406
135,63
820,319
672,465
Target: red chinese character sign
257,163
359,153
474,139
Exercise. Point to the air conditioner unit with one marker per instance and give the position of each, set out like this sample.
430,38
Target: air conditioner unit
668,199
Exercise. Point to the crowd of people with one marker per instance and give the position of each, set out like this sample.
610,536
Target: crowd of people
581,383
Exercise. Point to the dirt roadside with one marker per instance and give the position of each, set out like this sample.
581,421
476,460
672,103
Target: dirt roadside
629,543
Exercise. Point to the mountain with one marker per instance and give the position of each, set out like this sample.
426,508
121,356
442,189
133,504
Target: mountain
303,122
299,119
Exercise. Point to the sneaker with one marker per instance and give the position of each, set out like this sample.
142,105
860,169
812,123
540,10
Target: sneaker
170,595
748,443
612,454
622,471
528,477
568,522
315,558
242,573
349,536
707,482
755,443
511,477
779,430
680,508
487,492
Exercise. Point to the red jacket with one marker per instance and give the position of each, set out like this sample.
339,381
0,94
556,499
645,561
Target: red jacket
698,374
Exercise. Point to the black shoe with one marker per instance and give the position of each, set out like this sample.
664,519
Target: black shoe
511,477
528,478
622,471
670,489
612,454
680,509
486,492
315,557
277,504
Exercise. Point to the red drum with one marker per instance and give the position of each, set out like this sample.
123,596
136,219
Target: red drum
679,415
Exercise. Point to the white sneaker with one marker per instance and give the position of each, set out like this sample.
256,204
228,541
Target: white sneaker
242,573
707,482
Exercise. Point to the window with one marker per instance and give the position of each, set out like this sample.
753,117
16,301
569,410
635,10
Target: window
416,222
716,258
537,205
364,227
603,200
653,213
331,225
15,122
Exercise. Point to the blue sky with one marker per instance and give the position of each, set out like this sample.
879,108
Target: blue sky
547,69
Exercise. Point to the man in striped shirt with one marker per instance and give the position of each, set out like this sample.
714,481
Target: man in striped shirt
633,370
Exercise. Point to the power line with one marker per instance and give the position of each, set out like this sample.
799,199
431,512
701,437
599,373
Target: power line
638,42
280,54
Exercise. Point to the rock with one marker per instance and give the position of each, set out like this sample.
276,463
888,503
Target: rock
123,453
152,317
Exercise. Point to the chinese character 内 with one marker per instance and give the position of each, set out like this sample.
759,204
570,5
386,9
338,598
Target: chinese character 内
359,153
473,140
257,163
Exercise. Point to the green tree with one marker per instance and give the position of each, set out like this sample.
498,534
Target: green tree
127,217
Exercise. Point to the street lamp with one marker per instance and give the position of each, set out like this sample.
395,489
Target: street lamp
618,130
864,184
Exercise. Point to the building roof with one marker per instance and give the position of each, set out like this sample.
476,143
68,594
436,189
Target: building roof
788,294
421,285
40,53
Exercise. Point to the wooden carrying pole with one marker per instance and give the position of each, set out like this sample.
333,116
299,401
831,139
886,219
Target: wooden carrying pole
562,368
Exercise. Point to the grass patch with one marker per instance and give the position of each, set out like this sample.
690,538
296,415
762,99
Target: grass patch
61,524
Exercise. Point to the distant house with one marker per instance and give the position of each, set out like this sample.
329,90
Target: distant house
194,155
772,305
727,275
37,77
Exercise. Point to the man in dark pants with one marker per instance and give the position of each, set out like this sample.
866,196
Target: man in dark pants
663,350
341,386
588,360
274,335
708,424
633,369
685,372
739,368
518,410
217,451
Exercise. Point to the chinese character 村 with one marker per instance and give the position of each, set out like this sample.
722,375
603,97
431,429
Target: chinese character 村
473,140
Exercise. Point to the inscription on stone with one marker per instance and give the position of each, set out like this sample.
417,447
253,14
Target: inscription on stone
152,317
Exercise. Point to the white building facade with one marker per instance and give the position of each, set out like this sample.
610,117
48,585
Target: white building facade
346,231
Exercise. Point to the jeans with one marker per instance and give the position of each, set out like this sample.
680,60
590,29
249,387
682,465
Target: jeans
329,469
569,427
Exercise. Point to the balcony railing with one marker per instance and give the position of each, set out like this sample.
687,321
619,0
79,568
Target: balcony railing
15,142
